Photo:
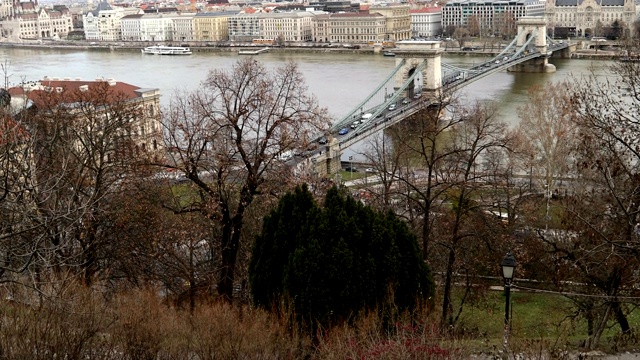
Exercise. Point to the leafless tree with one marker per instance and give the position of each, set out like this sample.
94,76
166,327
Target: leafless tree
433,167
77,149
546,137
232,140
604,216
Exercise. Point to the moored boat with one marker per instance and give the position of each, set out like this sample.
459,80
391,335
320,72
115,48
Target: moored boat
166,50
389,53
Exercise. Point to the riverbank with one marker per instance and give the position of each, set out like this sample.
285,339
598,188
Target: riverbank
303,48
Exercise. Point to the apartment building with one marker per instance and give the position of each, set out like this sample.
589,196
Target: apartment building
355,28
104,22
320,28
27,20
426,22
589,17
131,27
294,26
288,26
183,28
157,27
398,21
212,27
486,17
244,27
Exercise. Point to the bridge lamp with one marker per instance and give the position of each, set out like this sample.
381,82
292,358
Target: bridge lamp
508,265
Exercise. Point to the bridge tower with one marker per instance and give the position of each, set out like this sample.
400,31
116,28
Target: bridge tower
414,53
529,26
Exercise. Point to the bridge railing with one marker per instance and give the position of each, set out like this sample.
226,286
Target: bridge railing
349,118
378,111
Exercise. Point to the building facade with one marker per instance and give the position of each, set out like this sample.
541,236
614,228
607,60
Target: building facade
244,27
398,21
212,27
131,27
488,17
104,23
589,17
157,27
426,22
27,20
183,28
287,26
145,132
357,28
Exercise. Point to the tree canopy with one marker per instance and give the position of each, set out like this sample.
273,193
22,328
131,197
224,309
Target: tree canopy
329,263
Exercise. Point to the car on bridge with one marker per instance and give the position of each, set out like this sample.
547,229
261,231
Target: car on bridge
391,107
405,101
343,131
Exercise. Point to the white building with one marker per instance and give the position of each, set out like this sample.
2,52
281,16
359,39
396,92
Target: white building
104,23
289,26
131,27
426,22
157,27
183,28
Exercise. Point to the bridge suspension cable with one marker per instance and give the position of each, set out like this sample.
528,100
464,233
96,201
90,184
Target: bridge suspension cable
349,117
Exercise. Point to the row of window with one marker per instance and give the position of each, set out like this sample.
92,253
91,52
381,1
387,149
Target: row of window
358,31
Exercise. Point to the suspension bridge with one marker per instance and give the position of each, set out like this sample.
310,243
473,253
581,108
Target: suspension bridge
418,80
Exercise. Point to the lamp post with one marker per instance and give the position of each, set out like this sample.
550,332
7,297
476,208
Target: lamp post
508,267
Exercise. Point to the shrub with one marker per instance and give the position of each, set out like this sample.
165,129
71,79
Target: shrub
327,264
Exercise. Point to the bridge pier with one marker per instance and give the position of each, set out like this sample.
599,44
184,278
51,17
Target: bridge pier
537,65
529,26
327,162
414,53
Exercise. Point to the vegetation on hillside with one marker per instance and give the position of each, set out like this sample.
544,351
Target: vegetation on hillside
85,239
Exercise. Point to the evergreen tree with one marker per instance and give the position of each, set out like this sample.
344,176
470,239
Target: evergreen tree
329,263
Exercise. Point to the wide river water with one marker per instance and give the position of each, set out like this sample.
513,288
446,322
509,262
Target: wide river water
339,80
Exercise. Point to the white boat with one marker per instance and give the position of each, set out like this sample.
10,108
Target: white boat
166,50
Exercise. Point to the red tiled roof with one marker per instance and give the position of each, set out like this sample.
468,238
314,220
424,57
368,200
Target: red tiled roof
434,9
68,90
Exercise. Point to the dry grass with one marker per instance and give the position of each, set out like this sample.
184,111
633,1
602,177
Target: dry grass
79,323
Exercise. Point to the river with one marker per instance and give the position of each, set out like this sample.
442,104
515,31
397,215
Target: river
339,80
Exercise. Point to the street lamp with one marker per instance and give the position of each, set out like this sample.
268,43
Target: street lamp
350,167
508,267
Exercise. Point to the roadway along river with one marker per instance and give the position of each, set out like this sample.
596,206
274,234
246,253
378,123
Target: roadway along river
340,81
